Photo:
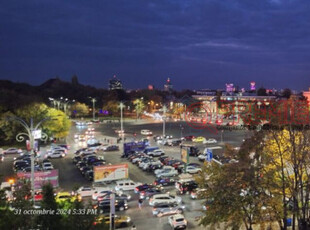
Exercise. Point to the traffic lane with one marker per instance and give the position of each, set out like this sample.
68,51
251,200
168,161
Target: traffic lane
233,137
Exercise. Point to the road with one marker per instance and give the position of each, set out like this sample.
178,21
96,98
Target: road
70,178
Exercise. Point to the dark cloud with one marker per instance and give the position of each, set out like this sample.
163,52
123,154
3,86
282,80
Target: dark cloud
198,43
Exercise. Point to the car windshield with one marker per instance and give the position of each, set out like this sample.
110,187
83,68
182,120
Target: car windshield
179,220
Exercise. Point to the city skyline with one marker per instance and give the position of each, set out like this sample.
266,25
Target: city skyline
202,44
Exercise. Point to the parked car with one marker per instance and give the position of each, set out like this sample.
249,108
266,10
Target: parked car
177,221
119,221
85,191
143,187
111,148
197,193
167,173
164,198
146,132
199,139
56,154
104,206
210,141
12,151
161,209
164,181
125,185
47,166
119,196
100,192
186,186
147,193
156,153
153,166
189,138
192,169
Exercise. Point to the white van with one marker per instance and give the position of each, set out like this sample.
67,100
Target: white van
126,185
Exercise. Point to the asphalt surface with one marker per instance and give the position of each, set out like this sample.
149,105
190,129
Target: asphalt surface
70,177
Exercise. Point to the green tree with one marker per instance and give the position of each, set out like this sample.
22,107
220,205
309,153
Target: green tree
59,125
112,107
139,106
48,203
79,109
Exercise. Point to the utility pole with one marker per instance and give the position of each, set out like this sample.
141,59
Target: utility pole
164,121
121,105
33,133
93,100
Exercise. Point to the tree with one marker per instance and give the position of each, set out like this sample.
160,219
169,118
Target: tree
261,92
112,107
48,203
139,106
79,109
59,125
287,93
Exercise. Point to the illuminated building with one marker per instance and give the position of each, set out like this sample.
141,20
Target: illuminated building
229,88
168,86
115,83
252,85
306,94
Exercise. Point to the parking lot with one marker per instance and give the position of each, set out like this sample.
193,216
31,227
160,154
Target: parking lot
70,177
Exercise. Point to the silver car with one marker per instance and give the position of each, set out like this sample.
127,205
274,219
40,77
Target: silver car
162,209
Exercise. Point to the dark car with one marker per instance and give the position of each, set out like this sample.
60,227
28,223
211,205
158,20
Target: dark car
89,175
166,181
153,167
143,187
98,163
104,206
147,193
112,148
94,144
193,151
187,186
64,146
76,159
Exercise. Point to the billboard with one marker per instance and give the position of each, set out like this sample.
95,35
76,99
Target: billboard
184,155
40,178
110,172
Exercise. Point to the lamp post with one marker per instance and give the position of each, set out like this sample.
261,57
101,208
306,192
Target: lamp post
164,121
121,105
33,133
93,100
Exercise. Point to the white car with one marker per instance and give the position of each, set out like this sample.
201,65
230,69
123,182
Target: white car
99,192
151,163
177,221
143,163
47,166
85,191
146,132
210,141
157,171
156,153
192,169
12,151
167,173
55,154
125,185
164,198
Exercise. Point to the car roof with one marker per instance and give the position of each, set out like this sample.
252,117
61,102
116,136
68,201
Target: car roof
178,216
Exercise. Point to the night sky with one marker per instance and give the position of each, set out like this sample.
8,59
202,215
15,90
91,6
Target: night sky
197,43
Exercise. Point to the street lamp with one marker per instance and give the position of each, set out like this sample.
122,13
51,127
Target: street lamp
33,133
121,105
164,121
93,100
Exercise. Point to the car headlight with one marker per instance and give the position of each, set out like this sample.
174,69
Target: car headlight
128,219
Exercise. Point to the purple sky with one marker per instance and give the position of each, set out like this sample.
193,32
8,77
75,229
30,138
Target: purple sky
197,43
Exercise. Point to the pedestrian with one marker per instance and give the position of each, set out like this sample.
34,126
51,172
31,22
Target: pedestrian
140,201
108,141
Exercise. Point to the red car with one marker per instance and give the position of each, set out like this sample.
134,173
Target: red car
189,138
